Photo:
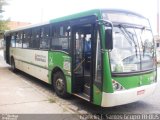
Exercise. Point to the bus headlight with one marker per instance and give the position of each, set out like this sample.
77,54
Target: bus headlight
117,86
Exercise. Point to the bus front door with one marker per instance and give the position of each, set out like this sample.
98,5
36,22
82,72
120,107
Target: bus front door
82,61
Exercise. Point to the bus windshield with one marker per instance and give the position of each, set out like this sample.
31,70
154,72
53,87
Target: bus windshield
133,48
127,18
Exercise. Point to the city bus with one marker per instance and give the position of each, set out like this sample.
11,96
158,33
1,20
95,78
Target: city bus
104,56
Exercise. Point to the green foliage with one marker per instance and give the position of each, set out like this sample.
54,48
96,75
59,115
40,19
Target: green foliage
3,27
3,23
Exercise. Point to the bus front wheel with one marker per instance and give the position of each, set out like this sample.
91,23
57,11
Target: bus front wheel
13,67
59,83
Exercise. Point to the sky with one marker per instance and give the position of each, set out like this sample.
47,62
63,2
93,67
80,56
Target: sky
37,11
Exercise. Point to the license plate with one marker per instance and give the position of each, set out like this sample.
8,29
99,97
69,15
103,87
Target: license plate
140,92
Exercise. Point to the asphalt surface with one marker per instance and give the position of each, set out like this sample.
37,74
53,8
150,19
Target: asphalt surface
22,93
19,96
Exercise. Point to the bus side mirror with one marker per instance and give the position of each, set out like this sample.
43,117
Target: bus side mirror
109,38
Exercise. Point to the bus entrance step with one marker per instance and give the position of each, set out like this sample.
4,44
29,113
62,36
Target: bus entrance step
83,96
86,89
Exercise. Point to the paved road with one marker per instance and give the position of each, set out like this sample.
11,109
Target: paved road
30,84
19,95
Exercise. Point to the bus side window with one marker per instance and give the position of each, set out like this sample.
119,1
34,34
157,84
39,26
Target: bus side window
61,38
65,38
19,37
45,37
29,37
55,44
35,38
13,40
98,60
25,39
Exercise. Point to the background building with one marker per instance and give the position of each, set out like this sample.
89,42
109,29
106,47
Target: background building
157,39
16,24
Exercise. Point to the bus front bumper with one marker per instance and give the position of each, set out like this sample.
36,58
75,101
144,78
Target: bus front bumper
126,96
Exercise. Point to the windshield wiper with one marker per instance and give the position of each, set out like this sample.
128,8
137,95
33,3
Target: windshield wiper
129,36
143,46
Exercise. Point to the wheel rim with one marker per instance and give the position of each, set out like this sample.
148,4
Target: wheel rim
60,84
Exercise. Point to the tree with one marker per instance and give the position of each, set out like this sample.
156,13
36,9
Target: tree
3,27
3,23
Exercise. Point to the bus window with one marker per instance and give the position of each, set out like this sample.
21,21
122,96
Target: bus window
19,37
44,37
29,38
98,61
13,40
61,38
26,39
35,38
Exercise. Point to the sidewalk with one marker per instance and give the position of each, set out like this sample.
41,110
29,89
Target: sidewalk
19,97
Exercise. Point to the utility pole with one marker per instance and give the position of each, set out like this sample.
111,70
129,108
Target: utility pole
42,12
158,17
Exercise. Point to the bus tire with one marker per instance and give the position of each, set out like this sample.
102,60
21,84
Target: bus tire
13,67
59,84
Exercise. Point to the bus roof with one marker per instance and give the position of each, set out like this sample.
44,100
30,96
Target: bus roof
94,12
69,17
76,15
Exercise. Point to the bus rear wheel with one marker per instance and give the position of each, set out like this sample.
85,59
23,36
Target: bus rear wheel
13,67
59,84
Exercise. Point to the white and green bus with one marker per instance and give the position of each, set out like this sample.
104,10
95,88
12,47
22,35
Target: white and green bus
104,56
